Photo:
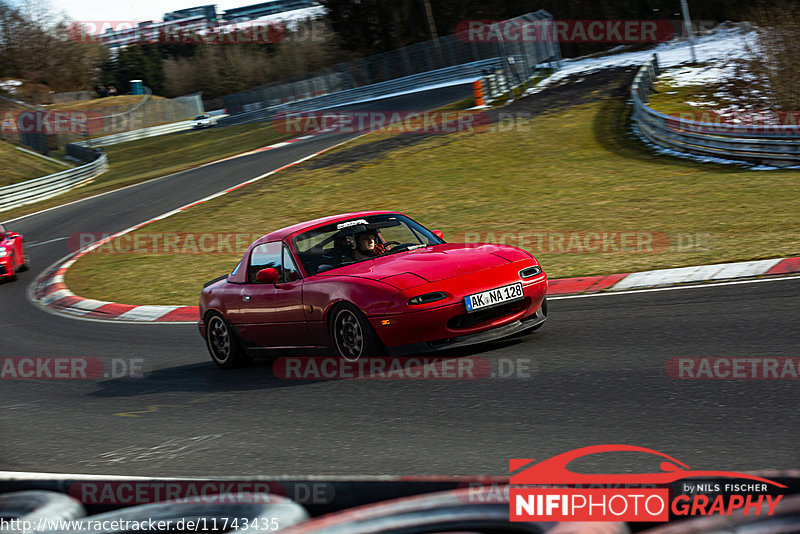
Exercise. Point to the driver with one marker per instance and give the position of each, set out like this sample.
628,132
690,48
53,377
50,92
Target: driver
367,246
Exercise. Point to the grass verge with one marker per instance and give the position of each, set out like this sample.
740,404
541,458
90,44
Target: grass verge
566,173
673,100
17,166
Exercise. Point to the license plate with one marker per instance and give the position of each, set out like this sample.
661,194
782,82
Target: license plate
493,297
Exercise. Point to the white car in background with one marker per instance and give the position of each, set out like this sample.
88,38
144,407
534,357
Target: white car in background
204,121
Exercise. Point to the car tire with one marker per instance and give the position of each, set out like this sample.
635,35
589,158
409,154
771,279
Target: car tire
33,505
352,335
446,511
26,264
256,510
224,347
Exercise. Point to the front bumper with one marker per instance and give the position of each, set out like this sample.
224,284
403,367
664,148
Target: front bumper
6,267
517,327
444,324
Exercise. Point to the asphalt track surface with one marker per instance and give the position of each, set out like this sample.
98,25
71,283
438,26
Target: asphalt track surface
595,373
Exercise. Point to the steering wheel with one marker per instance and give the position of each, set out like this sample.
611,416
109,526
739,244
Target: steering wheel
391,243
400,247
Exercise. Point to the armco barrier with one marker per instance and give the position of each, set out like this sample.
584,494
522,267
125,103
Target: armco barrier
444,60
468,73
780,146
365,93
16,195
137,134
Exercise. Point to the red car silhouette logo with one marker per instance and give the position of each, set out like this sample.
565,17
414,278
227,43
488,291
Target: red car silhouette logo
554,470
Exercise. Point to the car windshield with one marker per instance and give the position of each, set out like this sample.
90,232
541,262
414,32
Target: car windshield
201,117
336,244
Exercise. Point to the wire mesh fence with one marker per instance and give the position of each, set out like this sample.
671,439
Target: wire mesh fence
520,57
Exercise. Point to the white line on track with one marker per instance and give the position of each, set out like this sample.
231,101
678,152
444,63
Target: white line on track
39,243
674,288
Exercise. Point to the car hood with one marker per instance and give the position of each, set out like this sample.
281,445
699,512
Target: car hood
431,264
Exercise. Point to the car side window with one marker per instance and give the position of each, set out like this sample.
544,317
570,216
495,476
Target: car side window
264,256
290,271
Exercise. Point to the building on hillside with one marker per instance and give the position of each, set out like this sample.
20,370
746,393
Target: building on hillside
208,13
198,19
265,9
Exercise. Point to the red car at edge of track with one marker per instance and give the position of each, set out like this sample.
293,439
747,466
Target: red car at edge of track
12,255
303,288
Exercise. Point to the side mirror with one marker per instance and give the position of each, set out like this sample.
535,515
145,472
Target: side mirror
439,234
267,276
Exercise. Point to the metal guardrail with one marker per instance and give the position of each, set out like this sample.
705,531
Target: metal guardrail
773,145
368,92
137,134
400,68
16,195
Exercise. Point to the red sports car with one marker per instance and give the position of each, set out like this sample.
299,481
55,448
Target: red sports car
12,255
363,283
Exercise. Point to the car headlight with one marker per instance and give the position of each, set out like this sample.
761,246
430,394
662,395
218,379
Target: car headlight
529,272
427,298
3,251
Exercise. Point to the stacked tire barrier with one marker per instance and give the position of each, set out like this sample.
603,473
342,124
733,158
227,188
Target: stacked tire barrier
310,505
30,508
29,191
773,145
447,511
496,83
26,512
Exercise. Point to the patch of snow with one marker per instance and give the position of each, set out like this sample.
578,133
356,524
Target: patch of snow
718,47
697,75
701,104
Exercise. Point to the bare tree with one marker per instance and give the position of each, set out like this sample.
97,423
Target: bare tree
36,46
220,69
775,58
